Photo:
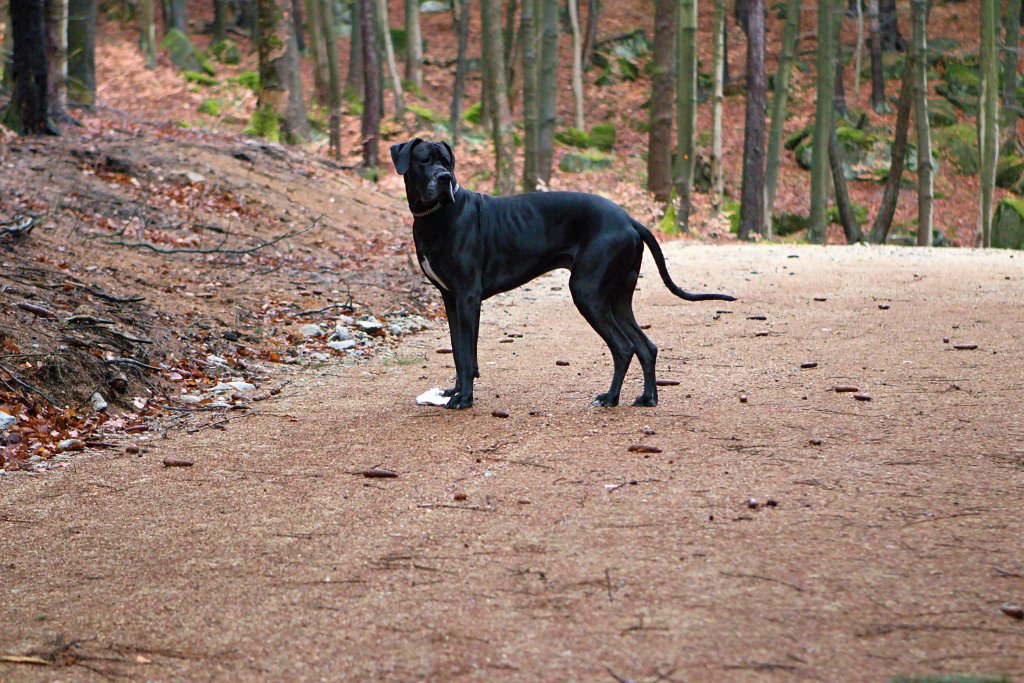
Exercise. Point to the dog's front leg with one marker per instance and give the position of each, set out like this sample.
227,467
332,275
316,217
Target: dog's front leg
452,313
464,336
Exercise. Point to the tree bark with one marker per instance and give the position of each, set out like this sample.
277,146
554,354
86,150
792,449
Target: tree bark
57,58
177,15
297,25
460,70
752,199
316,30
7,84
147,32
1011,54
590,34
280,109
413,44
925,166
82,53
663,90
858,57
548,90
389,53
887,209
501,117
988,128
846,215
26,112
790,34
330,44
878,102
717,101
220,20
818,225
354,86
890,28
686,112
370,129
839,107
531,105
577,63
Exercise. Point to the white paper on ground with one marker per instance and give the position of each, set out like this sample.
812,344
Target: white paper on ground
432,397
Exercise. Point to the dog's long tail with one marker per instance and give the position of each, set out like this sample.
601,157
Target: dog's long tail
648,237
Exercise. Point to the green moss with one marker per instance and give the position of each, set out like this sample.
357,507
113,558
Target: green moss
265,123
226,52
959,145
585,160
199,78
573,137
602,136
184,54
786,224
427,114
731,210
247,79
941,113
796,138
961,85
474,114
860,214
667,224
1009,171
210,106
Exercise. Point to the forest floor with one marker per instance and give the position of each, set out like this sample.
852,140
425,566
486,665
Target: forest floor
783,530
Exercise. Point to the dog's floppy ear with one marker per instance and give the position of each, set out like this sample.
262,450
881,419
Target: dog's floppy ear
400,154
451,155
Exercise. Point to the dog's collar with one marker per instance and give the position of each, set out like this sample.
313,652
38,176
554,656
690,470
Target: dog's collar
435,208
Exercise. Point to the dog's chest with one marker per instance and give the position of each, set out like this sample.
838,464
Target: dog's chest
434,277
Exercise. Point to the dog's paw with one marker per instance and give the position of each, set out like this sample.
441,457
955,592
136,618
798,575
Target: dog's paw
645,401
460,401
451,391
606,401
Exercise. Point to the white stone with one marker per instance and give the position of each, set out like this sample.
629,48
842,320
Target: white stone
342,345
310,330
6,421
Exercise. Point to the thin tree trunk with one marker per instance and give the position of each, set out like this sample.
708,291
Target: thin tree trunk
887,209
280,109
859,52
57,58
460,70
354,85
8,56
371,87
663,91
220,20
839,107
501,117
147,32
548,90
508,38
1011,54
878,102
26,113
531,105
790,34
919,9
717,101
330,45
752,200
298,23
413,44
82,53
988,122
590,34
577,63
389,53
318,43
686,112
818,225
177,15
892,40
846,215
725,53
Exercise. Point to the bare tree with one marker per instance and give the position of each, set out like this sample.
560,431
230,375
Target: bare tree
82,53
887,209
57,59
818,225
501,116
413,44
577,63
752,200
330,43
988,121
663,81
686,112
384,30
147,32
878,102
925,165
531,103
280,107
718,67
26,113
548,89
462,21
790,33
371,87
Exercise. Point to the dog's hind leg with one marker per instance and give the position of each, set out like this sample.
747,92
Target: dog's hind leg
587,293
646,351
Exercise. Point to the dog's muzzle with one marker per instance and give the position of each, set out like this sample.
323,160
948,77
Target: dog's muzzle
441,189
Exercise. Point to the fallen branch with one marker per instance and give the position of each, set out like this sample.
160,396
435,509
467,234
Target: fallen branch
217,250
19,226
103,295
131,361
28,387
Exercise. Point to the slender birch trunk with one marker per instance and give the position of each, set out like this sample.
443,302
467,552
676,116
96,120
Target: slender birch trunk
413,44
501,116
752,198
887,209
460,70
988,121
577,63
686,112
818,227
717,100
790,35
531,112
389,55
925,165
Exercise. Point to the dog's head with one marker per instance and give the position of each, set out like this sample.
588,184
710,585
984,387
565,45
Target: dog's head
429,170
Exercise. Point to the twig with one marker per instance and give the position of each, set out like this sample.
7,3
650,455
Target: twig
302,314
741,575
131,361
25,385
103,295
477,508
217,250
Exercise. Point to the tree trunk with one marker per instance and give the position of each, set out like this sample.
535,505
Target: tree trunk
354,86
82,53
887,209
280,109
147,32
790,34
846,216
501,117
663,91
919,9
370,129
752,200
413,44
858,58
57,58
577,63
548,90
508,40
1011,54
7,51
220,20
988,122
878,102
317,28
889,27
389,53
725,54
531,105
330,44
590,34
717,100
177,15
818,225
26,113
686,112
460,70
839,107
297,25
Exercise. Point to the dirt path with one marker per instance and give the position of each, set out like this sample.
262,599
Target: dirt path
502,553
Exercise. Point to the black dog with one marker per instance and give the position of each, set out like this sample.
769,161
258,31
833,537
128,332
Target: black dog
472,246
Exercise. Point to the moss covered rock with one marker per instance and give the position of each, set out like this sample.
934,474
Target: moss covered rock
941,113
573,137
226,52
184,54
961,85
1009,171
589,160
1008,224
602,136
474,114
786,224
959,145
867,153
